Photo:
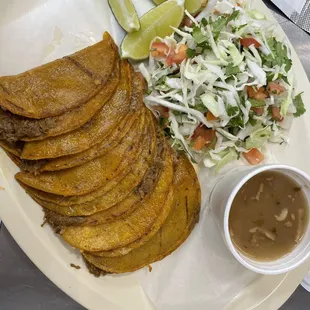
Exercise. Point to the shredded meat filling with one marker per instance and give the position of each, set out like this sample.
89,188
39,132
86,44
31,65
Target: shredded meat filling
14,127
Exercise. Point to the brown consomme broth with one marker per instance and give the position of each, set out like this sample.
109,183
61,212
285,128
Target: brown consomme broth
268,216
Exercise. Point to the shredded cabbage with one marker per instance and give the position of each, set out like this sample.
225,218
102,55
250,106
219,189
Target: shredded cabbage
258,138
227,83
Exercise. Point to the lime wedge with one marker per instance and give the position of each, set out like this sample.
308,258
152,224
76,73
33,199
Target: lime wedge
192,6
155,22
158,2
126,15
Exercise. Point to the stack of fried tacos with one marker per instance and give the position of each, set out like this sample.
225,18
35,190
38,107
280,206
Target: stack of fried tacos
94,158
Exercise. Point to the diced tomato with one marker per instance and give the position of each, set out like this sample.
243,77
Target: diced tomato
258,111
180,55
254,156
170,58
187,22
199,143
203,137
176,58
211,117
275,88
163,111
199,131
276,115
258,94
159,49
246,42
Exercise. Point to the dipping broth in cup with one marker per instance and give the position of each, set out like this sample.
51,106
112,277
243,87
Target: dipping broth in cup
268,216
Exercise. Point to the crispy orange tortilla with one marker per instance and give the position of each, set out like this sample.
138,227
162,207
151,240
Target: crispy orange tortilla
61,85
65,162
139,193
93,132
133,174
78,116
124,231
90,176
126,196
178,226
137,243
13,148
99,149
146,237
105,197
117,134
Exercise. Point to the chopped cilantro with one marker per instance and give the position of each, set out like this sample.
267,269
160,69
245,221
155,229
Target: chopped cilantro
269,111
190,53
200,107
299,105
242,101
231,110
202,47
284,78
198,36
252,121
230,69
270,77
218,26
235,29
204,22
237,121
233,130
162,80
232,16
176,113
279,57
256,103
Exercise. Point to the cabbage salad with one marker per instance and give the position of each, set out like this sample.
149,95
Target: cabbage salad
222,85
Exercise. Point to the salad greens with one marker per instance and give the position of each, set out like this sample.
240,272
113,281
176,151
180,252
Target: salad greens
222,84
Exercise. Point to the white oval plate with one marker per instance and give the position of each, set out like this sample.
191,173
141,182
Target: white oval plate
36,31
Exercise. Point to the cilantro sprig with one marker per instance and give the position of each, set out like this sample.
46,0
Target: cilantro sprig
217,26
279,55
299,105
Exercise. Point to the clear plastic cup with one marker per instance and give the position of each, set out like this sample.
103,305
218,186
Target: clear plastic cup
221,200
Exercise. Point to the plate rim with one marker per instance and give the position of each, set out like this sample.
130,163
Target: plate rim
282,286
